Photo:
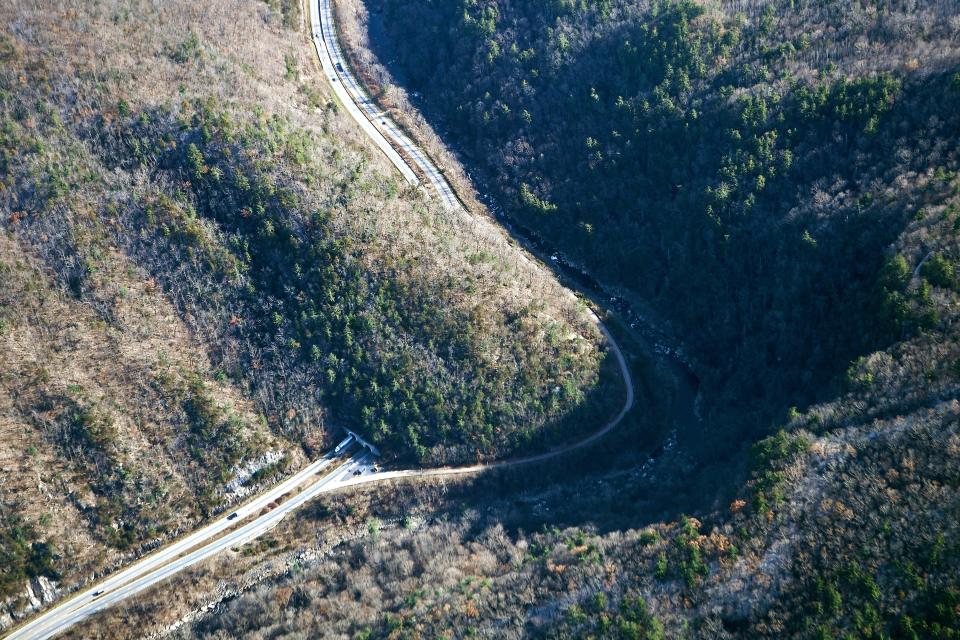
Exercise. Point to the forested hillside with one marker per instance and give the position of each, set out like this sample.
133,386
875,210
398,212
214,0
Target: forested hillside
780,180
200,261
742,166
205,276
851,533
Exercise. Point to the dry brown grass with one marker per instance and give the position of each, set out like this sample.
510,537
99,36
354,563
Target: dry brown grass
125,346
54,346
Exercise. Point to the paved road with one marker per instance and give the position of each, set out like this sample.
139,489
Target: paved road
409,159
297,490
198,546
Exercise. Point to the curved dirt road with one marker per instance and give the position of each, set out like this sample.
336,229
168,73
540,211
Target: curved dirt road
540,457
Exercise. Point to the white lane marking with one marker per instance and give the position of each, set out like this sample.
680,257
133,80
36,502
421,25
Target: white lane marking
151,570
321,13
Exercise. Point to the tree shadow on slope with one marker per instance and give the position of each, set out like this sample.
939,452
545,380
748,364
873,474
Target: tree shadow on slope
323,328
758,224
811,288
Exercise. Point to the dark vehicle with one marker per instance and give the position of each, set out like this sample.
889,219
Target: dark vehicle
340,68
97,594
357,472
233,516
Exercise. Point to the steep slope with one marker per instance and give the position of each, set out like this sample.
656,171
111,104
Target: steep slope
835,290
206,275
847,527
742,166
793,207
116,431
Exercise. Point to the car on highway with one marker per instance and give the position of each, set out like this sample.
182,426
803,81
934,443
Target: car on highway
233,516
340,68
97,594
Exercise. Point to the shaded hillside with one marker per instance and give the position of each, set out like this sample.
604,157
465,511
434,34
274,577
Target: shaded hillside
743,166
206,276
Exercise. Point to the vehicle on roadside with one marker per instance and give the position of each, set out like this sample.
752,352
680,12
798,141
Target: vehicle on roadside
233,516
97,594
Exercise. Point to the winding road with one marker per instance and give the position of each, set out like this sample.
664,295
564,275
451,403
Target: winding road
330,472
409,159
403,153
